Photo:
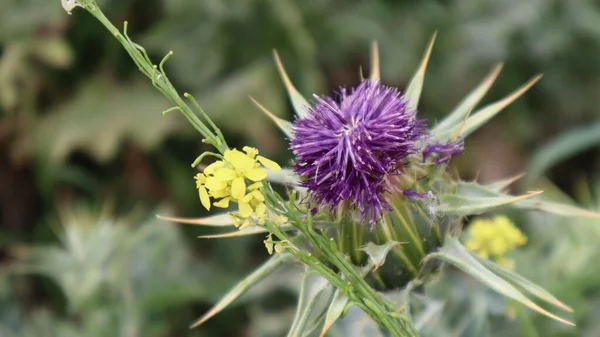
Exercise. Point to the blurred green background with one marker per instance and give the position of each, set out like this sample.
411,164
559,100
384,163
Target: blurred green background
87,159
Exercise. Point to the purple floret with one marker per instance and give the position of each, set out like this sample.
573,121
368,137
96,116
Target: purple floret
346,149
441,153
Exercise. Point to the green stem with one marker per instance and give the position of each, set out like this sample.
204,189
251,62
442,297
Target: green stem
160,80
356,288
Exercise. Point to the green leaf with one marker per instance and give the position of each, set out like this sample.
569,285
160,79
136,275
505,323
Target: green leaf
253,230
458,204
284,125
561,148
314,290
455,254
335,310
522,283
239,289
103,115
485,114
415,86
461,112
472,193
299,103
285,176
556,208
217,220
500,185
378,253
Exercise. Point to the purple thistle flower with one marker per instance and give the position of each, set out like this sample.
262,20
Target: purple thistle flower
443,152
346,149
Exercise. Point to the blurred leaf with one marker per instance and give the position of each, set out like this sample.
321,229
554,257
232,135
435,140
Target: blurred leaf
315,294
561,148
241,287
454,253
217,220
103,115
285,176
556,208
335,310
522,283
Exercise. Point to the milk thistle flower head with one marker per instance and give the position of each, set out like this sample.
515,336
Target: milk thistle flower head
347,149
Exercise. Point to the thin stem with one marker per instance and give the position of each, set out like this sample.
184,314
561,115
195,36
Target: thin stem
159,79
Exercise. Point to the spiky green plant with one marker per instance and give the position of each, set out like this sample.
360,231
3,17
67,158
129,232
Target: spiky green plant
356,265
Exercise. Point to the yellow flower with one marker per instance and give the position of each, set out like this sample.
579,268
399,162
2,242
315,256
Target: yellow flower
493,238
237,178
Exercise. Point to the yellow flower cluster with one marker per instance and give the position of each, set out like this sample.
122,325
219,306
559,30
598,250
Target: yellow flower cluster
493,238
227,179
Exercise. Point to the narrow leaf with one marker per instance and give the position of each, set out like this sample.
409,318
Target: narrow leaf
561,148
265,270
217,220
314,288
501,185
466,205
285,176
375,72
299,103
244,232
335,310
284,125
237,233
556,208
475,191
415,86
486,113
456,116
454,253
523,283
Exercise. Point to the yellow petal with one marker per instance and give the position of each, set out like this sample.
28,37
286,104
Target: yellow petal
256,174
268,163
255,186
204,199
240,161
247,198
210,169
260,209
223,203
219,193
244,209
258,196
238,188
224,174
215,184
251,152
200,179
